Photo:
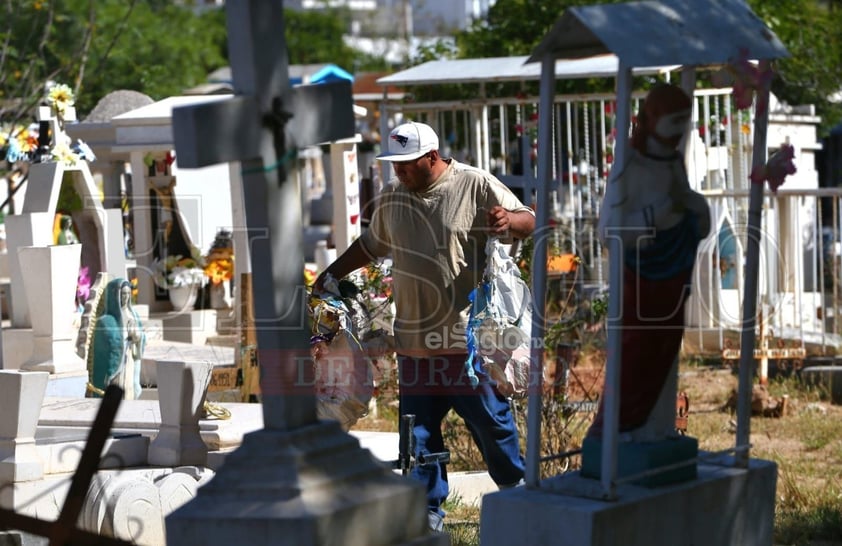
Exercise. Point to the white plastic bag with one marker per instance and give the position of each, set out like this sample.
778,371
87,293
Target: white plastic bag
499,327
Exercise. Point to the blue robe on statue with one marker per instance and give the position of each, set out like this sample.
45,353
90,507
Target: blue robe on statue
118,337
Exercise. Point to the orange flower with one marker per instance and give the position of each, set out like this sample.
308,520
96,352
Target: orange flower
220,270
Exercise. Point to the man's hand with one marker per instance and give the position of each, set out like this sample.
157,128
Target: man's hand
499,221
505,223
319,284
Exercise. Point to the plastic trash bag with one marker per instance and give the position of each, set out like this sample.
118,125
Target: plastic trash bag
500,322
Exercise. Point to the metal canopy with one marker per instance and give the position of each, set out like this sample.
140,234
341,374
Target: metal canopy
687,32
499,69
692,33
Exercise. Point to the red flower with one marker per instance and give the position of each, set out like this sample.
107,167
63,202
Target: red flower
776,169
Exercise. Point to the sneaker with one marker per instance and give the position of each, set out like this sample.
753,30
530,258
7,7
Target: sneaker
436,521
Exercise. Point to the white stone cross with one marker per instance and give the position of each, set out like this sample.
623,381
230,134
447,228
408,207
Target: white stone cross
262,126
56,122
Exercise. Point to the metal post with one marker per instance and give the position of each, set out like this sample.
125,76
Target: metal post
539,270
752,267
611,391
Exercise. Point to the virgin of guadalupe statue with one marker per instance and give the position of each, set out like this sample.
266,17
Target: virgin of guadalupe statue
118,342
650,206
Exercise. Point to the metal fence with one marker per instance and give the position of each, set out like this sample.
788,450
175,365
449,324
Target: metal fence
799,290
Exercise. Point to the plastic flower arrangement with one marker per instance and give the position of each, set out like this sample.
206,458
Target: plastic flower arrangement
18,144
377,281
21,143
177,271
219,262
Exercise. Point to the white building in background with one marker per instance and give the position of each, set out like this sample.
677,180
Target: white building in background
394,18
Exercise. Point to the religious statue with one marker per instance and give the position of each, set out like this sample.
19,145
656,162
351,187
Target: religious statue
118,342
650,206
66,235
165,196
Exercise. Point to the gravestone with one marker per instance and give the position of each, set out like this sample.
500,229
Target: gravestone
44,276
297,481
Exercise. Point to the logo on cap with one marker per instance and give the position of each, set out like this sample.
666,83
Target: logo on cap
402,140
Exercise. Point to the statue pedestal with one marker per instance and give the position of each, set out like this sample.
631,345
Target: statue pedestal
636,457
723,505
307,486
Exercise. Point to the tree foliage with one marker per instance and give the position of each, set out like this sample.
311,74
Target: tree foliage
808,28
514,27
810,31
155,47
97,46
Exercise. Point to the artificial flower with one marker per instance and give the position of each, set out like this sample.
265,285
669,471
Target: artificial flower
63,154
176,271
61,98
27,140
776,169
745,78
14,152
220,269
83,285
84,151
310,276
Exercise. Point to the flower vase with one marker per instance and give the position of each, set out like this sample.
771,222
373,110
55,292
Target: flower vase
183,298
220,297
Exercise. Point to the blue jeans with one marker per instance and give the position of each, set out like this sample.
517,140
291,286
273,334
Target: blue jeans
429,388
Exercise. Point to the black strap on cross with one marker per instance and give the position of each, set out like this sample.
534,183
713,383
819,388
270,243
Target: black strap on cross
63,531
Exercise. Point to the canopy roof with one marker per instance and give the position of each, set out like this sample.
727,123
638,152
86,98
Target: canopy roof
331,73
649,33
500,69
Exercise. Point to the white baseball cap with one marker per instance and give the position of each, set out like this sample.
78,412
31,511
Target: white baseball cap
409,141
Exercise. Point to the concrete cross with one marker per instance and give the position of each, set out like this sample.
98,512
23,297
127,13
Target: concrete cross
262,126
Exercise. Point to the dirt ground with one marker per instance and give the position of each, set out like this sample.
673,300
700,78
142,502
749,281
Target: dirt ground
711,419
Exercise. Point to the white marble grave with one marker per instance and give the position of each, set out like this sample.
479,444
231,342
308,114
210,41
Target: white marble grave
50,292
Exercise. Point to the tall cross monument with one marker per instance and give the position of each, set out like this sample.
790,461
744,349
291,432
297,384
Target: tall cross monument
299,480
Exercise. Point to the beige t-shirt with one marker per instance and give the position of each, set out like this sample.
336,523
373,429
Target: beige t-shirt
437,242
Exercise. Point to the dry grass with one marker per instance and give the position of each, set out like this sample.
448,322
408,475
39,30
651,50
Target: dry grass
806,444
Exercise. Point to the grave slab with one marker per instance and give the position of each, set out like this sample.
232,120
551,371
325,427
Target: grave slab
723,506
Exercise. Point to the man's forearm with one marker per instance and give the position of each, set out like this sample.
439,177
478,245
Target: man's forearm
352,259
522,224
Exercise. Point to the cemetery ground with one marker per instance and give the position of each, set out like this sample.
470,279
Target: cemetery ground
806,443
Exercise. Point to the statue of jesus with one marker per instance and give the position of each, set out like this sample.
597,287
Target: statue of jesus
650,206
